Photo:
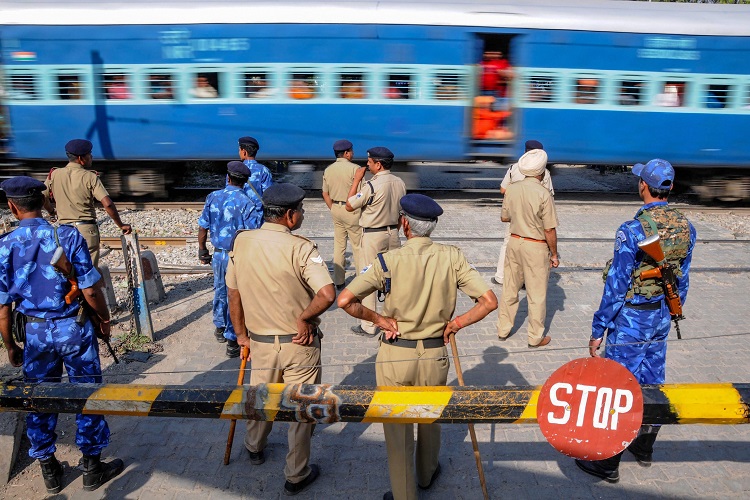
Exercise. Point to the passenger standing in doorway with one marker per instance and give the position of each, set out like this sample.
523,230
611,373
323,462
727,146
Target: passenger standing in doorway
73,189
378,199
337,181
514,175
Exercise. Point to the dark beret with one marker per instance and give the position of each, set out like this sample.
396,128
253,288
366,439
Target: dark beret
79,147
532,144
21,186
420,207
239,168
249,140
283,194
380,152
342,145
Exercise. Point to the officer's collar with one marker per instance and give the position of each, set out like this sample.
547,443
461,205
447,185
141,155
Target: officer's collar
651,205
382,172
273,226
418,241
36,221
74,164
229,186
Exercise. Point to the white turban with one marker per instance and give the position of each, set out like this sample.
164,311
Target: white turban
533,163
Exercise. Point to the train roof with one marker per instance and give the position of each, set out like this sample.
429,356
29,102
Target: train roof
578,15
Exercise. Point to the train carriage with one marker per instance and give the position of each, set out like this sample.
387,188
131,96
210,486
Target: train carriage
598,82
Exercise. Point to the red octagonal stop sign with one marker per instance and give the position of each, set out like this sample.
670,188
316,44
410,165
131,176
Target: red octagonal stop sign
590,408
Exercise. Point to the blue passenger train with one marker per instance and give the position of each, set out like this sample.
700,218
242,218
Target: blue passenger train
598,82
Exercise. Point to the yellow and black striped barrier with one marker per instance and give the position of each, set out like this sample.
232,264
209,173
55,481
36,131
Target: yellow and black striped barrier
663,404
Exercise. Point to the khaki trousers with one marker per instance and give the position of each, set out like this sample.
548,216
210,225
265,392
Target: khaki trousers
373,244
525,262
90,233
399,366
293,364
500,271
345,225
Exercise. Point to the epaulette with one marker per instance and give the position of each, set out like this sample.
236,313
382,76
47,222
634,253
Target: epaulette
303,238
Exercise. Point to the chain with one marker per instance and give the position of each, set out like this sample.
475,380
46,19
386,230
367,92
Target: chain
130,267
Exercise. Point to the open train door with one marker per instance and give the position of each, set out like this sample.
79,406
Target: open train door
492,121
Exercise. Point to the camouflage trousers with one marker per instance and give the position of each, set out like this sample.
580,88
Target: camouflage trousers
221,319
638,342
48,347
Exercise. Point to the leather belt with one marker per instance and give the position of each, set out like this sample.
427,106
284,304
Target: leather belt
81,222
339,202
528,239
377,229
431,343
220,250
34,319
270,339
646,306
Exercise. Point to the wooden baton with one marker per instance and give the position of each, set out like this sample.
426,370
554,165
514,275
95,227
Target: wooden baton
240,380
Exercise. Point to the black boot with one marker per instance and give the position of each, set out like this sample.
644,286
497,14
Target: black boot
219,335
52,473
96,473
233,349
642,447
607,469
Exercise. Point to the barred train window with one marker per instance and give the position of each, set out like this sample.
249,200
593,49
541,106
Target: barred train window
449,86
399,86
303,85
631,93
587,91
117,86
69,87
23,86
352,86
716,96
256,85
540,88
160,86
205,85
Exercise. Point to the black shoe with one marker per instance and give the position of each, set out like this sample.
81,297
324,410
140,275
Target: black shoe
219,334
257,458
52,472
96,473
360,331
388,495
291,489
233,349
494,280
432,479
643,459
593,468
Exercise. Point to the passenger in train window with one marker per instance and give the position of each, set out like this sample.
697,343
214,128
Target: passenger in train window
301,89
116,87
256,86
398,87
22,87
587,91
160,86
716,97
352,89
540,90
670,97
489,124
630,93
69,87
203,89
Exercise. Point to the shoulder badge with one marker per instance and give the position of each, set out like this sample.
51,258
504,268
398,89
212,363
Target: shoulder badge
619,240
317,260
364,270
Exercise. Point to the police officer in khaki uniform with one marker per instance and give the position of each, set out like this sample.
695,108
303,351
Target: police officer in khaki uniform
337,180
420,281
278,286
74,190
532,248
378,198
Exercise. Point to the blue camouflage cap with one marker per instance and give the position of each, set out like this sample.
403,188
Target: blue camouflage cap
342,145
380,152
249,140
420,207
658,173
239,168
79,147
22,186
283,194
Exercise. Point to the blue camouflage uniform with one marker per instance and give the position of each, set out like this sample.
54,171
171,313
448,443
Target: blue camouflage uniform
53,338
636,337
226,211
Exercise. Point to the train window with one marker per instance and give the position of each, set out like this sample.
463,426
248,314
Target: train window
587,91
630,93
256,85
449,86
540,88
69,87
116,86
672,94
398,86
205,85
716,96
304,85
160,86
352,86
23,86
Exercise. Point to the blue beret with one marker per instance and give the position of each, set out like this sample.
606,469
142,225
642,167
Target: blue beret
659,174
420,207
283,194
532,144
342,145
21,186
79,147
380,152
249,140
239,168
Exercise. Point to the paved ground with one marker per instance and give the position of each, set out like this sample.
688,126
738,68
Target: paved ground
182,458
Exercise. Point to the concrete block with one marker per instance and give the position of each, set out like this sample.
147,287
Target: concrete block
109,290
152,277
11,429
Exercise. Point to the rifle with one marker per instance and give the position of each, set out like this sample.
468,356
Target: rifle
664,272
61,263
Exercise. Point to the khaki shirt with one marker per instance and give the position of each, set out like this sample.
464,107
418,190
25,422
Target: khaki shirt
338,178
381,207
277,274
74,190
530,208
424,280
514,175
